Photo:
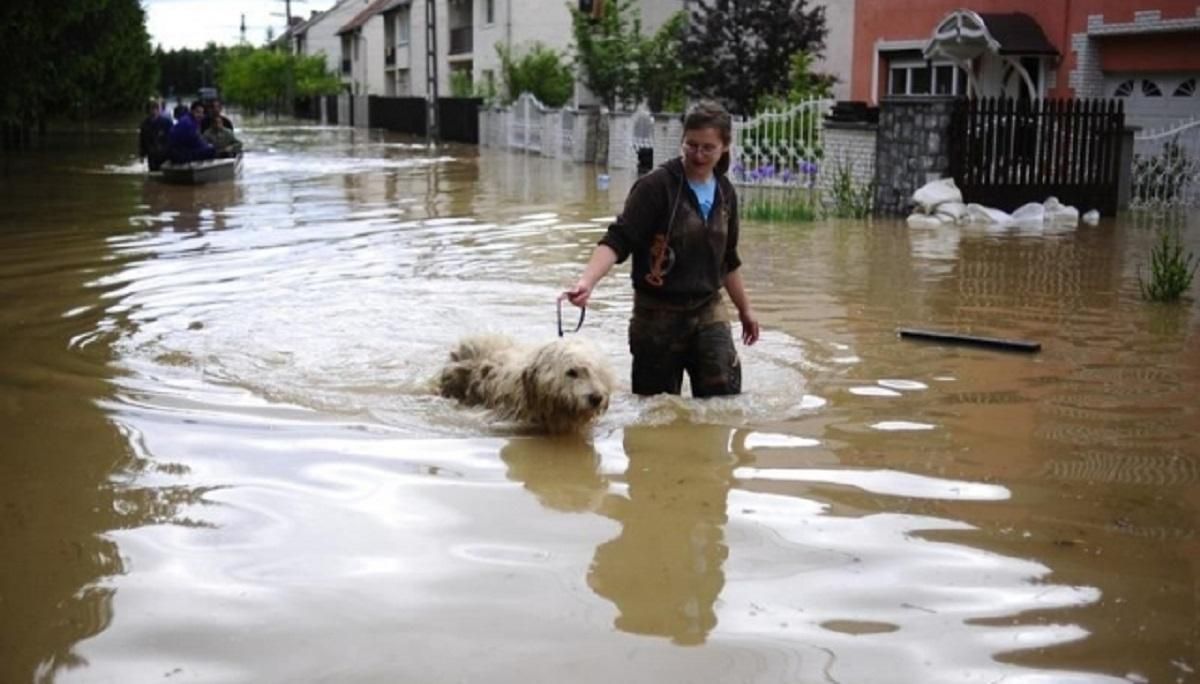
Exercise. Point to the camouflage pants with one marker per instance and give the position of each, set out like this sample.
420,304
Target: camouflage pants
668,340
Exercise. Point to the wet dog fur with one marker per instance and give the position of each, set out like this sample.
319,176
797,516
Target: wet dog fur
559,387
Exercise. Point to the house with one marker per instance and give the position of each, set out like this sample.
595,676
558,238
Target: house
379,47
1140,50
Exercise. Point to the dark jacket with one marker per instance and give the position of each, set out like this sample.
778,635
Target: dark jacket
184,143
705,251
152,140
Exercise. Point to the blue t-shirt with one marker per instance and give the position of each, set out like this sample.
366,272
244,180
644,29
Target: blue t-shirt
704,193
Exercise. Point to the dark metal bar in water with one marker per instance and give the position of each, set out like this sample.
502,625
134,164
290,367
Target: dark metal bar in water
973,340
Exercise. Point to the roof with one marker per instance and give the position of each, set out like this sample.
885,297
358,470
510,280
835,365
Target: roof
963,34
394,4
1018,34
362,17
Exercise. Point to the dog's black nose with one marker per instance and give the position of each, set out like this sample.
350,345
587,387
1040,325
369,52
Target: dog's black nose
595,399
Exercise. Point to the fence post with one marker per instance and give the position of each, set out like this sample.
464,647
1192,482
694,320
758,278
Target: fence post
1125,167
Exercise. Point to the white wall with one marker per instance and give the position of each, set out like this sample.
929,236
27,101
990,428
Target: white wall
839,45
322,37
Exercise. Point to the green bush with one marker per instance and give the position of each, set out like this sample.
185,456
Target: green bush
1171,271
460,83
540,71
847,199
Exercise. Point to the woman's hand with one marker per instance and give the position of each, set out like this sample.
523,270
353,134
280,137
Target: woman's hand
578,294
749,327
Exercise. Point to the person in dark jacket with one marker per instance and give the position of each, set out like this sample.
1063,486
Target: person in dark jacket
152,136
680,225
216,110
184,143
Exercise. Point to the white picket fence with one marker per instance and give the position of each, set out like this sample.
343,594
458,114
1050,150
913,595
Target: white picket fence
775,148
1166,167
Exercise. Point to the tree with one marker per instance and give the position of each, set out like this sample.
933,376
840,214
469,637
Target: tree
183,72
606,51
540,71
81,58
661,75
743,49
258,78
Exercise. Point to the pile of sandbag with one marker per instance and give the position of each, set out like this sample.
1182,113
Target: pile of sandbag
940,203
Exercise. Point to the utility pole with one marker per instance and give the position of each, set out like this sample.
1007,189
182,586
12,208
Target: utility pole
431,72
242,31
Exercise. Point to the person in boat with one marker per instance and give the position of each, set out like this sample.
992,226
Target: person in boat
152,136
680,225
214,112
184,143
222,138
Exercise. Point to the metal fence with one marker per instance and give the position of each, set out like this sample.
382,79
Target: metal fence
1166,167
1005,153
780,147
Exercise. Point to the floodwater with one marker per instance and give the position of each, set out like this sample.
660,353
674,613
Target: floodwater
222,461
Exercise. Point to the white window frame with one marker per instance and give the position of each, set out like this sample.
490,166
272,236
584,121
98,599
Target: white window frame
910,65
403,25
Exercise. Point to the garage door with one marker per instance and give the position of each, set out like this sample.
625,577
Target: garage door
1156,100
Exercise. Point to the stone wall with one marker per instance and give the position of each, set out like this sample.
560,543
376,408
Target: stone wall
912,148
847,146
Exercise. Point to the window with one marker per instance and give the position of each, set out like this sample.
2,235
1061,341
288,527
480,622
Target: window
1124,89
402,24
489,11
1150,89
924,78
402,83
944,79
1186,89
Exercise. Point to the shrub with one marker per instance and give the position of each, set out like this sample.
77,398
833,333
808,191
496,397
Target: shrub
540,71
847,199
1171,271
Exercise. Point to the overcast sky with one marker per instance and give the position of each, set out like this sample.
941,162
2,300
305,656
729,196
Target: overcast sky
192,23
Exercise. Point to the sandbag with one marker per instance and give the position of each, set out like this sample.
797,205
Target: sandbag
1032,214
954,212
934,193
919,220
977,213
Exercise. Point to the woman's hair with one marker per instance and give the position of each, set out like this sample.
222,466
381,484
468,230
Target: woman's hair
710,114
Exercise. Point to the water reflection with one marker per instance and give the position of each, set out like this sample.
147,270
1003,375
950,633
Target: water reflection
664,570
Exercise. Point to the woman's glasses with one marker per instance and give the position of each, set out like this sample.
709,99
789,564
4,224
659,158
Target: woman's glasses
707,149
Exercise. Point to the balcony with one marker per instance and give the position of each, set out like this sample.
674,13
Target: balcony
462,40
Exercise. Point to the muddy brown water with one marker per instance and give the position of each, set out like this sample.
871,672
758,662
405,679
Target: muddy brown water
222,461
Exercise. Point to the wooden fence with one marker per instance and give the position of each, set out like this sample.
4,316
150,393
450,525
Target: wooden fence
1005,153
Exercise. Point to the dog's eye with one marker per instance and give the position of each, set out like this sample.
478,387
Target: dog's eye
572,373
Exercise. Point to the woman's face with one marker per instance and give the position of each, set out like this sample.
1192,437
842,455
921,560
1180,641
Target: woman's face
702,149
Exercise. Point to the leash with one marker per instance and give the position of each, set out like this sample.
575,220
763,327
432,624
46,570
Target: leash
582,313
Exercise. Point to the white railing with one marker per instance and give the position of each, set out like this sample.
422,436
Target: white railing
780,147
1166,167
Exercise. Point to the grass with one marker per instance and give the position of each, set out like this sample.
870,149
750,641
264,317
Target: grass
791,208
1171,271
847,199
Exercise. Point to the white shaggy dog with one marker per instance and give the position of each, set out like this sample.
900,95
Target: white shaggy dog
558,387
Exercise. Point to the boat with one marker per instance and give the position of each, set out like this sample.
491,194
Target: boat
195,173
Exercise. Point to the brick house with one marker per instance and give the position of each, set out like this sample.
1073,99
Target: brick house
1142,50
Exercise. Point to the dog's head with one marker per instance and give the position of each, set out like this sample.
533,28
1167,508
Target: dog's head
567,385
